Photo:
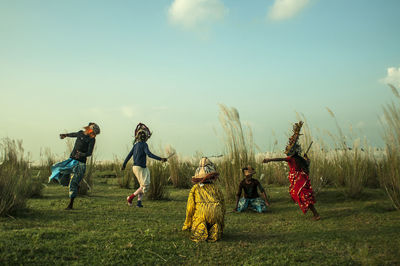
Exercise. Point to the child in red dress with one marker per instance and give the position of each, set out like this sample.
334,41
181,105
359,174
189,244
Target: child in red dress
300,186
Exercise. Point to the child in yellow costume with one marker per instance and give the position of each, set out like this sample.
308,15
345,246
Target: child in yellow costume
205,207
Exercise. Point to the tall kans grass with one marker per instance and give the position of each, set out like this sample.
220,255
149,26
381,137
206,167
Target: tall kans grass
159,175
239,150
180,172
390,170
16,181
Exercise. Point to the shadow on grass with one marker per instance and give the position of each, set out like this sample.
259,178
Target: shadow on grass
339,195
232,236
298,238
378,207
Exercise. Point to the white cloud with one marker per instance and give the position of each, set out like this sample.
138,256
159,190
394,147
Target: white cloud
127,111
392,77
286,9
196,14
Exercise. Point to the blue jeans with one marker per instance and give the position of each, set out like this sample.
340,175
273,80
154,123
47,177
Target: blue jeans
256,204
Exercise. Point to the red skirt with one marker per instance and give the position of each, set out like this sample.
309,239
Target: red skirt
300,189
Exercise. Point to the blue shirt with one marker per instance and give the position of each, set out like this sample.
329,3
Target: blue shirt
139,152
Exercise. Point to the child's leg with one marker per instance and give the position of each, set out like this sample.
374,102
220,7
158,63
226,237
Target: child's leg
242,205
78,173
314,211
139,202
134,194
258,205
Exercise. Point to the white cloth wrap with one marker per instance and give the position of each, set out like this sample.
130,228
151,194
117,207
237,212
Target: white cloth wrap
143,176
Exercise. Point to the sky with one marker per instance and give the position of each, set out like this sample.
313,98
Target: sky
171,63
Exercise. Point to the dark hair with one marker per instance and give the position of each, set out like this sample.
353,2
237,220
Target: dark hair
302,163
244,169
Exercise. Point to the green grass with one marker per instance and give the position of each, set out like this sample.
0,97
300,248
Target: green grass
104,230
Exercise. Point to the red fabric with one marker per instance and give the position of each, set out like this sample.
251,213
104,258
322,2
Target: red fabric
131,198
300,187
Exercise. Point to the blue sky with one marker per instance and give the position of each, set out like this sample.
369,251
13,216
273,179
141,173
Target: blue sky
170,63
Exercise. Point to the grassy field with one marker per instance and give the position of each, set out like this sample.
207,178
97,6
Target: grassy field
104,230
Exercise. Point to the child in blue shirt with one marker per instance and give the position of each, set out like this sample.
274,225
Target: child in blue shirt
139,152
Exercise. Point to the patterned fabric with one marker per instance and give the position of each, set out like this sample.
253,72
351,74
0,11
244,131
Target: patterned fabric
143,176
76,178
256,204
205,213
205,168
300,187
61,172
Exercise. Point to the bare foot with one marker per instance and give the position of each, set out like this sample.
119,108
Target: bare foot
316,218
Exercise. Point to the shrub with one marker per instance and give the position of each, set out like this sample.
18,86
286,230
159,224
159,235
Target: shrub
16,182
390,170
159,175
124,178
179,172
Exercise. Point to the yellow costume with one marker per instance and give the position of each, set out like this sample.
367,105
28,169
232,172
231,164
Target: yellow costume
205,207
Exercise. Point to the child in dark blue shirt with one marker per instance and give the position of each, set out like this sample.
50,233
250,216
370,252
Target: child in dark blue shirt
139,152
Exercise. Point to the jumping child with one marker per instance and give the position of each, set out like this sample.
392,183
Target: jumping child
300,186
139,152
76,164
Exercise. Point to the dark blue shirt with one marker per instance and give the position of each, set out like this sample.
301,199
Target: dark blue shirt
83,144
139,152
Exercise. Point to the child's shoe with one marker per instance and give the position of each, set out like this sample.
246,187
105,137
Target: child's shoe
129,201
139,204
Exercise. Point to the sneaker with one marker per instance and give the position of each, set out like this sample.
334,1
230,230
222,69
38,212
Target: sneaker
139,205
129,201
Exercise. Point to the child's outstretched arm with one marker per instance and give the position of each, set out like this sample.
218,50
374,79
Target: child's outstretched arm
151,155
263,193
267,160
127,159
71,135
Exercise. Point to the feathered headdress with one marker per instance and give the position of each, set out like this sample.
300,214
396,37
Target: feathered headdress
292,145
142,128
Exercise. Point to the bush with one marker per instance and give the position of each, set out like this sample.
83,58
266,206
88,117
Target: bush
47,159
16,181
159,175
124,177
180,172
390,169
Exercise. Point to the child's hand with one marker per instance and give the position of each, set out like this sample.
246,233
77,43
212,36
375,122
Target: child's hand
267,203
123,168
78,155
62,136
266,160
